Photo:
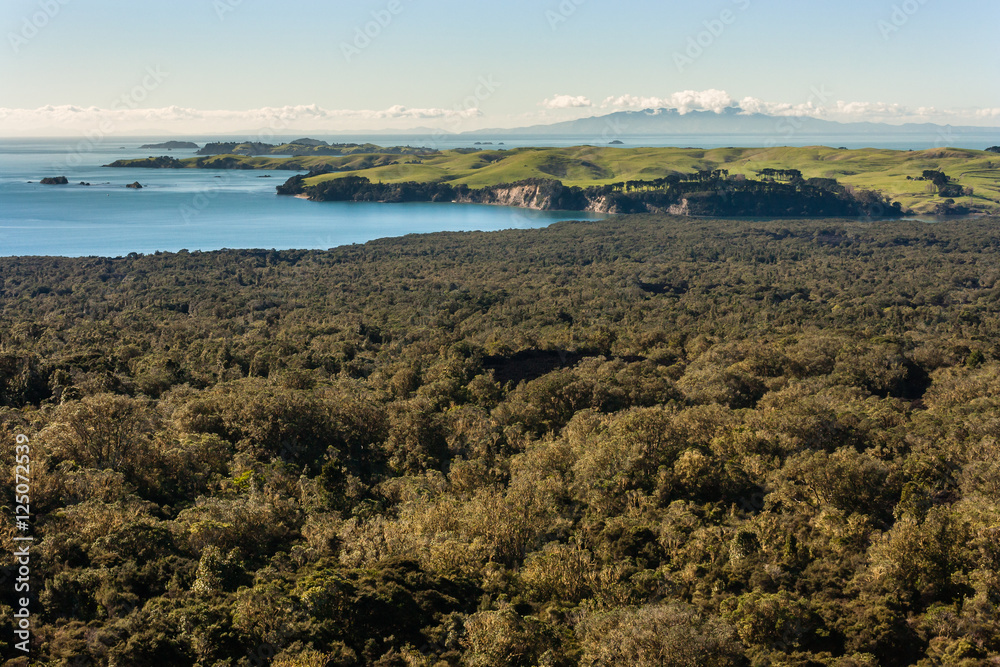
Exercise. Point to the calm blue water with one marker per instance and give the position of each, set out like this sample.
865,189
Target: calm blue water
209,210
195,209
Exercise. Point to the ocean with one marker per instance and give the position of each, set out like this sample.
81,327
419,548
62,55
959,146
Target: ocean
210,210
196,209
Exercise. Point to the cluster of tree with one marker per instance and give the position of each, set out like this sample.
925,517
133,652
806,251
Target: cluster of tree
163,162
702,176
782,174
707,193
646,440
943,183
993,149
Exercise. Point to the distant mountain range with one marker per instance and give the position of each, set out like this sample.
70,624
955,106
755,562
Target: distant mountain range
782,129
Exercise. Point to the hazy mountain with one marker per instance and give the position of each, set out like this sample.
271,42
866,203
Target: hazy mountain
731,121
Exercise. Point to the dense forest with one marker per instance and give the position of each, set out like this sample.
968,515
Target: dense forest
647,440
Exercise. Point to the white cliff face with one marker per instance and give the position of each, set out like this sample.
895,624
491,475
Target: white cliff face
536,197
522,196
680,209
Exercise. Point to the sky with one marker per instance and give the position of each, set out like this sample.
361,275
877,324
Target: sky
216,66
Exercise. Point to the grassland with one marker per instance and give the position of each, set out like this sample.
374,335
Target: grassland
883,170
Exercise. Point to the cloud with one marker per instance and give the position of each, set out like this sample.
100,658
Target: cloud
749,105
567,102
684,101
72,119
818,105
75,120
870,110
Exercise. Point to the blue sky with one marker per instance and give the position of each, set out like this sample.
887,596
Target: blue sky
187,65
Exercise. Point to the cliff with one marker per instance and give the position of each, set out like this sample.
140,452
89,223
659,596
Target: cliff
705,194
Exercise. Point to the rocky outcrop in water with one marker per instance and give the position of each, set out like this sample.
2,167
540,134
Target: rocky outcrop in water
135,186
54,180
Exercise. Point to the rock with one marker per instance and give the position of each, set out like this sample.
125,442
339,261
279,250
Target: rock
616,142
82,183
135,186
54,180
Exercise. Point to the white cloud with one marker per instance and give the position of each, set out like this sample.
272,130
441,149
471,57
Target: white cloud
567,102
71,119
870,110
684,101
817,106
753,105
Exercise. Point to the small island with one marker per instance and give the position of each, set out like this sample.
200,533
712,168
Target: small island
54,180
135,186
170,145
302,147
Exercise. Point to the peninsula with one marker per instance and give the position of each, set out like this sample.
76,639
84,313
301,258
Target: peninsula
723,181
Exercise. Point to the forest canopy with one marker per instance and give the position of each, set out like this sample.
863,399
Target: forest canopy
646,440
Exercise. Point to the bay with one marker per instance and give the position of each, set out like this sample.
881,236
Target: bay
196,209
210,210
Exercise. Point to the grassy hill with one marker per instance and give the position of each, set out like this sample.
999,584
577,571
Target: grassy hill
876,169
